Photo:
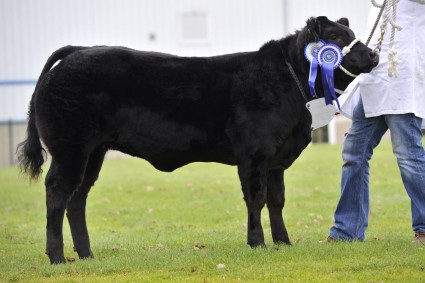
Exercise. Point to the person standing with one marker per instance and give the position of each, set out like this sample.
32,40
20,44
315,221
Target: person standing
392,97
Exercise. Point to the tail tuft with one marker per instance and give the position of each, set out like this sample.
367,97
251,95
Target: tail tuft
31,154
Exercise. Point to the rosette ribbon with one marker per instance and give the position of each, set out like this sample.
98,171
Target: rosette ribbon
310,53
329,58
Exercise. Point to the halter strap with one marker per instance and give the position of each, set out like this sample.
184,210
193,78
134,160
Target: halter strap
345,51
347,72
297,81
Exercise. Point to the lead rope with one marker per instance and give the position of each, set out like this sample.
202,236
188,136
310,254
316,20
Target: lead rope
389,10
392,54
376,22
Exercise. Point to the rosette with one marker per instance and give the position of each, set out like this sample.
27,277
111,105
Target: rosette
310,50
329,57
310,53
330,54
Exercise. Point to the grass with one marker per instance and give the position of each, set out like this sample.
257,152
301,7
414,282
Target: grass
148,226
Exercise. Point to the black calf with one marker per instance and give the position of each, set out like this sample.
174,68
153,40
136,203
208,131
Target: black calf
241,109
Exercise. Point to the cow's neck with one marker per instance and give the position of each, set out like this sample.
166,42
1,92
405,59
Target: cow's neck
297,81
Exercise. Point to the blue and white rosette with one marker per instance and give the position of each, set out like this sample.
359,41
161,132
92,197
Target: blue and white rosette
329,57
310,53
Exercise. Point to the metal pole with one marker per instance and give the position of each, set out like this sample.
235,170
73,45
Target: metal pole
11,151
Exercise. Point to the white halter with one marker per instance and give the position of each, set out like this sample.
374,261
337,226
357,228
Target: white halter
345,51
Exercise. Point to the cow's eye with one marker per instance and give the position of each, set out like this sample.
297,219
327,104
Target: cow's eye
333,36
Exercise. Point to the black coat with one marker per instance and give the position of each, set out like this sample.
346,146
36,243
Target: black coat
241,109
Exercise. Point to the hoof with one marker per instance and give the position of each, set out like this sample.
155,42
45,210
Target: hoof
257,246
84,253
281,243
57,260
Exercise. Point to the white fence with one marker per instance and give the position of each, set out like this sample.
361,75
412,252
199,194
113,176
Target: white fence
31,30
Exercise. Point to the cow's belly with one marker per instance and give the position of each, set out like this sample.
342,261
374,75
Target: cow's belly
169,144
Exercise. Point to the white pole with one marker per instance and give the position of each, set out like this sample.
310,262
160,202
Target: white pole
332,131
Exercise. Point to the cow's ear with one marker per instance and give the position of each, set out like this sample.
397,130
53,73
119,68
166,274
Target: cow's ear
312,29
343,21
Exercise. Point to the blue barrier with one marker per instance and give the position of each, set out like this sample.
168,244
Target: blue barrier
17,82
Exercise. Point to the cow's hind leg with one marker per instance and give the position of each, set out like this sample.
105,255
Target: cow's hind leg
275,204
62,180
76,208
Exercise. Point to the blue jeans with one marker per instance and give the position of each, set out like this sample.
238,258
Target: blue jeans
351,215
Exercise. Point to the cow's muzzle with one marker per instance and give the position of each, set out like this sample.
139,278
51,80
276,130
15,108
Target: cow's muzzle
374,55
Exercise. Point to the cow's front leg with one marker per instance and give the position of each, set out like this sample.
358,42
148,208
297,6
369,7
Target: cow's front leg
253,177
275,204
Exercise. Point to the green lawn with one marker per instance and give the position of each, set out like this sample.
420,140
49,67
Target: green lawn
148,226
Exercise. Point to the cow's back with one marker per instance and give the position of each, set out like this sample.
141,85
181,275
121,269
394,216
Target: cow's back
167,109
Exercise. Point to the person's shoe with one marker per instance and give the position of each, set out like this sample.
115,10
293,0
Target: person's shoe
420,238
328,240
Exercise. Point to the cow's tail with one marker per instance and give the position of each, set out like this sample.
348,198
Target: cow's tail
30,152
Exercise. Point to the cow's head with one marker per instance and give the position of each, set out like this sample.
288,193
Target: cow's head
359,59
